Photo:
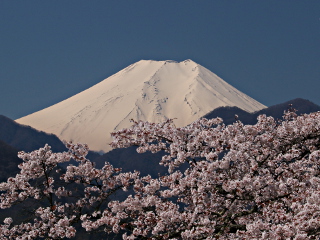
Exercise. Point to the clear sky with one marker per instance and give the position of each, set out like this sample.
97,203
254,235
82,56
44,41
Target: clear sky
51,50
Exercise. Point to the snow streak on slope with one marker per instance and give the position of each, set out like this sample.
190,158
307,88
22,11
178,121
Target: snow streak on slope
147,90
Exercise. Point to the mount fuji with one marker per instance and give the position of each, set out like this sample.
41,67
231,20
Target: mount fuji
146,90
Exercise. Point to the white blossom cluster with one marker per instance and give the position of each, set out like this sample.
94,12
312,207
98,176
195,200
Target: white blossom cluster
64,205
241,182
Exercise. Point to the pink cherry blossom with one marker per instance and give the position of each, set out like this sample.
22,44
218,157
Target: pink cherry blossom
233,181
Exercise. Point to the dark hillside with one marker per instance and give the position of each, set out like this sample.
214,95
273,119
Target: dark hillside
26,138
301,105
9,161
228,113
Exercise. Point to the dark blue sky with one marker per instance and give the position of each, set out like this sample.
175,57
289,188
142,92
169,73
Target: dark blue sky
51,50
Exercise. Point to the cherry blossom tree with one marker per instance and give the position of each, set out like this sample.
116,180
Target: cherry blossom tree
61,202
224,182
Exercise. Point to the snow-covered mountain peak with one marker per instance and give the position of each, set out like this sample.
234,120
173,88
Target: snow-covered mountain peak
147,90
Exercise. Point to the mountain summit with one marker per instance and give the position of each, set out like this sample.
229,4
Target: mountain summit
146,90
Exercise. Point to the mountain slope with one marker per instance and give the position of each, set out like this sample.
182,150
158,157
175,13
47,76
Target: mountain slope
9,161
147,90
26,138
228,113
